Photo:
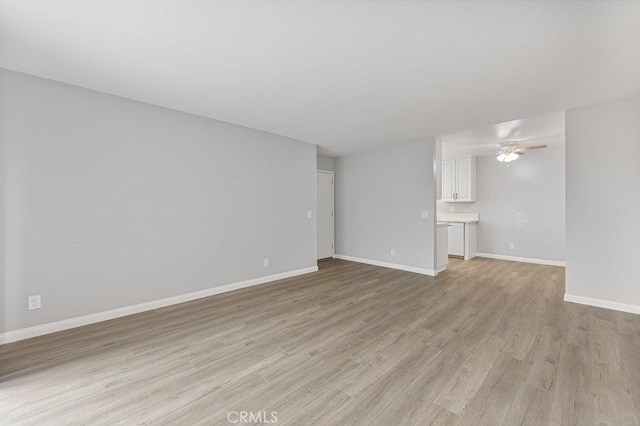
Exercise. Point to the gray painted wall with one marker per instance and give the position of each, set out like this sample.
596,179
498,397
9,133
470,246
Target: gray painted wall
326,163
603,201
521,203
111,202
379,198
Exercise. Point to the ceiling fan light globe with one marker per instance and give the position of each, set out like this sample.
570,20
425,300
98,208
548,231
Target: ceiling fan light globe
512,156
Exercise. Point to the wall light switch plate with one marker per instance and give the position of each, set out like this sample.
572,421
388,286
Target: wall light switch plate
309,214
424,215
452,208
512,246
393,252
266,262
34,302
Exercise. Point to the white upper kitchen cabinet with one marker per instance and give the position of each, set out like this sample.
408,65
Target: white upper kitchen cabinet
459,180
448,179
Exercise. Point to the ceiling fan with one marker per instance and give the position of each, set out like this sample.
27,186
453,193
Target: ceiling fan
511,151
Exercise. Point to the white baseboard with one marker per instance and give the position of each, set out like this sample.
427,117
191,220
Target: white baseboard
522,259
601,303
417,270
39,330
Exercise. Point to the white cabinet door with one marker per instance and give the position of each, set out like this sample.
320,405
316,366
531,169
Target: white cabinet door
463,179
448,180
456,239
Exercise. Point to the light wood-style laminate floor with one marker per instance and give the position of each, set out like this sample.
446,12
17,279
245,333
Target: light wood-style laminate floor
487,342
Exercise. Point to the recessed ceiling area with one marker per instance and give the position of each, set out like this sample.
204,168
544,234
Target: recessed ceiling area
347,76
546,129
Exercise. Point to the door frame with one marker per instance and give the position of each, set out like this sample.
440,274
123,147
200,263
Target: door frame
333,218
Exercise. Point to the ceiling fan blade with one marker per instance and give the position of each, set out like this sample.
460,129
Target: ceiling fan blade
533,147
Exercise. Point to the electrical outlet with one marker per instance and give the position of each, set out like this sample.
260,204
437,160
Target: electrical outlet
309,214
34,302
424,215
512,246
452,208
266,262
393,252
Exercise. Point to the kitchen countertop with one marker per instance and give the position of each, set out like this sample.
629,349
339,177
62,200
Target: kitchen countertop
442,224
458,217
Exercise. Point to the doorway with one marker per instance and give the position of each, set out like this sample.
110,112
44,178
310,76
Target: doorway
325,216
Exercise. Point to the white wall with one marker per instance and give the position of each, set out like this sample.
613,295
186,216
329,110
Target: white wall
379,198
110,202
603,204
522,202
326,163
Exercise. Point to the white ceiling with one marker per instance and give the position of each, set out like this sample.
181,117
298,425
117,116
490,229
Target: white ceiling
543,129
346,75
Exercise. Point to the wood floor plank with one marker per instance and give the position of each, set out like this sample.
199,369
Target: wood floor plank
370,403
573,401
299,362
523,337
629,346
283,390
456,350
92,394
438,416
577,324
465,383
492,402
625,323
190,400
543,359
353,384
613,403
530,406
414,400
298,399
320,409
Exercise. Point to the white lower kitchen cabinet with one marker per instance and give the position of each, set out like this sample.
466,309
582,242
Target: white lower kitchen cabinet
456,239
462,240
462,233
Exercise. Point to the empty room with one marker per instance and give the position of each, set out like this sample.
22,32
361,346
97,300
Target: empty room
285,212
